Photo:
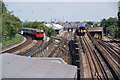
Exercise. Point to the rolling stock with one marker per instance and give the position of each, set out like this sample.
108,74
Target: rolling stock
80,31
37,34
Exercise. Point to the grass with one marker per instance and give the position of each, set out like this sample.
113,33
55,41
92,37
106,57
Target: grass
0,45
118,39
17,38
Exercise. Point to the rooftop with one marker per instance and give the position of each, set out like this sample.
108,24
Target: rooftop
55,26
15,66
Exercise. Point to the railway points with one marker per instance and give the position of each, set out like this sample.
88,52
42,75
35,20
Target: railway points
66,41
95,61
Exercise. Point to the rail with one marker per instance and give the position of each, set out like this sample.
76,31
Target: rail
43,49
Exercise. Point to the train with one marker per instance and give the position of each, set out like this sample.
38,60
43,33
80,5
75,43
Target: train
80,31
37,34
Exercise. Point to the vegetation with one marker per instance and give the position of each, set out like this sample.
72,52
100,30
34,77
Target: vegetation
118,23
17,38
95,25
89,23
10,24
0,30
110,27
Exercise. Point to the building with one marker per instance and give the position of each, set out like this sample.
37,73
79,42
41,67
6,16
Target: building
57,27
54,26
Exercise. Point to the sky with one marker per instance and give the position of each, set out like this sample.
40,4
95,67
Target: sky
63,11
61,0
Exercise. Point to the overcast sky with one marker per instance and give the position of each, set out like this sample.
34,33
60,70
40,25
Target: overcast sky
67,11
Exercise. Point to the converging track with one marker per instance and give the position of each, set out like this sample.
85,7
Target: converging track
59,46
26,43
33,50
100,60
111,58
94,63
28,48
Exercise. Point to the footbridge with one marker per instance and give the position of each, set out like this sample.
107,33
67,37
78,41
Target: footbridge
96,32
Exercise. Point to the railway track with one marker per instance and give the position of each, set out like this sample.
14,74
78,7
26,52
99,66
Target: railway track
113,47
60,47
111,58
27,42
112,50
56,51
24,50
96,68
33,50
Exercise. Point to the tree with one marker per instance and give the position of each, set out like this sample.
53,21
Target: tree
95,25
118,23
103,24
110,26
111,30
10,24
90,22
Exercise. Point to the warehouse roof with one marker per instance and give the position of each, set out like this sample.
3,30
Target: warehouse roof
15,66
54,26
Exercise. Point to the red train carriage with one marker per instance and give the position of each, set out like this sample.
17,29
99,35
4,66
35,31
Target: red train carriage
38,34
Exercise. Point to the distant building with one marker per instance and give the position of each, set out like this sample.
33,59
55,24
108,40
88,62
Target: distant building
54,26
57,27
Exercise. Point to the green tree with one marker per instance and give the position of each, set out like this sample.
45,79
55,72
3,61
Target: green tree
118,23
110,26
111,30
10,24
90,22
95,25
